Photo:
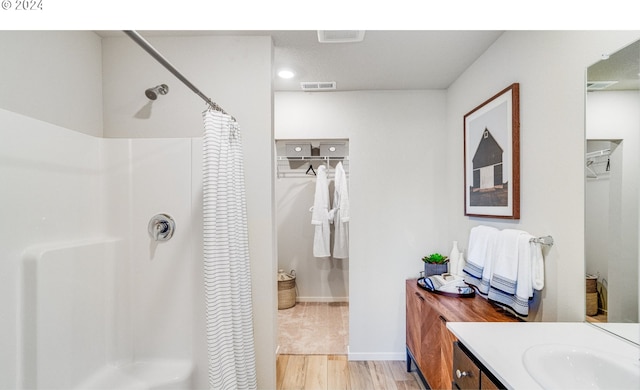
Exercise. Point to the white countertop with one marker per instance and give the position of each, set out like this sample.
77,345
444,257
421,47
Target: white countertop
628,331
501,345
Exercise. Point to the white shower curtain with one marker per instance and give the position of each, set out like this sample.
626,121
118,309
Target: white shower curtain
227,278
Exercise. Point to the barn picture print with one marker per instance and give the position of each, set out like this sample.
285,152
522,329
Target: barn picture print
492,157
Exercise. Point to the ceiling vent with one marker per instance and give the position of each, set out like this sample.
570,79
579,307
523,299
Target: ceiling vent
318,85
340,36
599,85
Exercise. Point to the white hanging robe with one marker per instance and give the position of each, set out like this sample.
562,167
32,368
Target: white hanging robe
340,214
320,215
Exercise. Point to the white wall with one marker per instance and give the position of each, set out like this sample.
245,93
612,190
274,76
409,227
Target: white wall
54,76
550,67
234,72
396,196
615,115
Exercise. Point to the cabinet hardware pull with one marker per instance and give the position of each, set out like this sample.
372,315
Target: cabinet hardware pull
461,374
442,319
419,296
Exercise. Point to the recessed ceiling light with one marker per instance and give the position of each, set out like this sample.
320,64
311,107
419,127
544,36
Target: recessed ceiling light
285,74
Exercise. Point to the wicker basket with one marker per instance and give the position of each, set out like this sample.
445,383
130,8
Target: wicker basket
592,284
592,304
286,290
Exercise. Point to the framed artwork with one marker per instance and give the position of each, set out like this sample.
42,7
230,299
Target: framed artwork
492,157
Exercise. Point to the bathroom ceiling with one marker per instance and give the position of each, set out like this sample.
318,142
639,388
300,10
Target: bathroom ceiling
390,59
622,66
384,60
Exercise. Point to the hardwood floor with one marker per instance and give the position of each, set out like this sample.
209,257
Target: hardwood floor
335,372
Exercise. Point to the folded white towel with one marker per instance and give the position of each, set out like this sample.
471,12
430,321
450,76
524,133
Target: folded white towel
537,266
505,266
508,251
528,277
524,290
477,269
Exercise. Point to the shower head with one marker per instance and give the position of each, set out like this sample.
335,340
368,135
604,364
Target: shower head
152,93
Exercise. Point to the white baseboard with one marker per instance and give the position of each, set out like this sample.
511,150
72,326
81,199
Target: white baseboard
322,299
360,356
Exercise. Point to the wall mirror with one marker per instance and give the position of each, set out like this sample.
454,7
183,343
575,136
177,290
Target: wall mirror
612,165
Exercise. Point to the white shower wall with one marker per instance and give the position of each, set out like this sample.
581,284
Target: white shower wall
51,187
61,187
145,177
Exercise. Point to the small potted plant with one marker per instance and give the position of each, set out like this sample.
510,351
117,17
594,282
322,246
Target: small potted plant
435,264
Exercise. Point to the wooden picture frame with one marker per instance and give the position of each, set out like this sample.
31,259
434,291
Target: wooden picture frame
492,157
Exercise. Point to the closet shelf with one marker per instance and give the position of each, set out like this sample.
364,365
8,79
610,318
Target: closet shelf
598,153
313,158
305,166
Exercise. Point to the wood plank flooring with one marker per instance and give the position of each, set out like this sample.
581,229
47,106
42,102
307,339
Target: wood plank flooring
335,372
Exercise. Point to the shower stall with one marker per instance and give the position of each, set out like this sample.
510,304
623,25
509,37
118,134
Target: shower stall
92,296
103,301
106,299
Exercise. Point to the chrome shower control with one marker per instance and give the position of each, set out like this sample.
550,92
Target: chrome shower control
161,227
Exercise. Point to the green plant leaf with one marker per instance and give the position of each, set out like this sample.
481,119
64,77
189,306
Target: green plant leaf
435,258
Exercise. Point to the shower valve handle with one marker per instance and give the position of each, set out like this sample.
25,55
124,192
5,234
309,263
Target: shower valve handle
161,227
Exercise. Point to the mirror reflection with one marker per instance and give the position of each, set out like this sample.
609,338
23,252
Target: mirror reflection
612,162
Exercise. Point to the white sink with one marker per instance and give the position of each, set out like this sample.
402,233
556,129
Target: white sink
561,366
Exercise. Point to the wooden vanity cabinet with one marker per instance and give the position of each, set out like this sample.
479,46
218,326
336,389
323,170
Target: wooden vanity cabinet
429,342
487,384
466,374
469,374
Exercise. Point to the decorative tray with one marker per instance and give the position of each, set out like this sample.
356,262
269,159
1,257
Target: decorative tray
463,291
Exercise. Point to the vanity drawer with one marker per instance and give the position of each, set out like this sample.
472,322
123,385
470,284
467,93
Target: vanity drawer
487,384
466,374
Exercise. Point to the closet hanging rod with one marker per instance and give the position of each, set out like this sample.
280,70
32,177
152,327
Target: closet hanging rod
598,153
323,158
143,43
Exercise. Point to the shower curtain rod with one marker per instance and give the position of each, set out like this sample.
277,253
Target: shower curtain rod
137,38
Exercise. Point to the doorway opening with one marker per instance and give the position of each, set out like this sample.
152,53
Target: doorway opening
318,321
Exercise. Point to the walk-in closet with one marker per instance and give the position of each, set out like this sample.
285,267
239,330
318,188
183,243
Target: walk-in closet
313,315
